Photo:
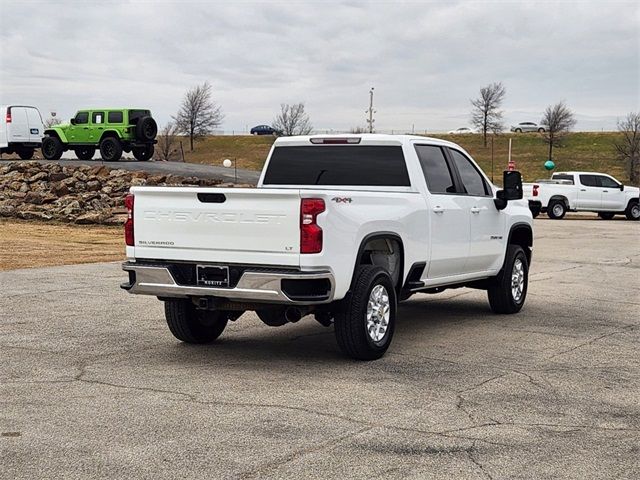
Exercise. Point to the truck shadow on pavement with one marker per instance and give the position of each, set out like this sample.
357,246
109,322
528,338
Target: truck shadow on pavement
252,341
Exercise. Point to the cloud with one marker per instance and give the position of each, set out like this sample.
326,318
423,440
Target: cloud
425,59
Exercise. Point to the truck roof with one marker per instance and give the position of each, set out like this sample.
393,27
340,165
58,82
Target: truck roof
365,139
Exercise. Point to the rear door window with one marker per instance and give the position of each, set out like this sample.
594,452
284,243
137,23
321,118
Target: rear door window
376,166
435,169
588,180
97,117
560,176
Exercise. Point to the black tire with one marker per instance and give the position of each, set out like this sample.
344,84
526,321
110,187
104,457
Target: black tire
541,130
190,325
535,214
85,153
606,215
501,296
518,130
143,154
51,148
351,323
110,149
557,209
26,153
146,129
633,211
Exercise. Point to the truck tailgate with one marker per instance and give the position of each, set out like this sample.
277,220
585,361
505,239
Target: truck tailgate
217,225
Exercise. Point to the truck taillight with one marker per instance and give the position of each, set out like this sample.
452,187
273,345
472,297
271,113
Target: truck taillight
535,190
310,232
128,224
7,118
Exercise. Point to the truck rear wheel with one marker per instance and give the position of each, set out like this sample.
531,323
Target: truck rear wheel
25,153
606,215
85,153
365,326
110,149
190,325
51,148
556,209
143,154
508,289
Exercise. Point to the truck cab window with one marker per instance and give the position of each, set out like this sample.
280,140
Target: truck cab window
606,182
82,117
473,182
435,169
589,180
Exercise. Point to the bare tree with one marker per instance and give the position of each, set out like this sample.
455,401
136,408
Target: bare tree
52,121
166,149
199,114
557,121
628,147
292,120
486,115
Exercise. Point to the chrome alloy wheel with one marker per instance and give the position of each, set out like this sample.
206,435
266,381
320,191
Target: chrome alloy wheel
517,280
635,210
378,312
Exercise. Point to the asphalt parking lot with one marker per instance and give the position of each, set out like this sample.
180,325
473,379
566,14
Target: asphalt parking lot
93,385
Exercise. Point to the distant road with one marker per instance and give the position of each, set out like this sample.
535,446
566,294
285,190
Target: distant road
164,168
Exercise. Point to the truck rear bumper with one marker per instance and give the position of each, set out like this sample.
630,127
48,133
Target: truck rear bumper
286,287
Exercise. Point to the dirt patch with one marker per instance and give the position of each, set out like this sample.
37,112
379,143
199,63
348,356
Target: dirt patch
34,244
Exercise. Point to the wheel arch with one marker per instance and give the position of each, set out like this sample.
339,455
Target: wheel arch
521,234
370,240
562,198
632,201
54,132
110,133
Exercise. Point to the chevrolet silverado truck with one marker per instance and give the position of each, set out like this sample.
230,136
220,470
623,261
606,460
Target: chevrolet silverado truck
341,228
583,192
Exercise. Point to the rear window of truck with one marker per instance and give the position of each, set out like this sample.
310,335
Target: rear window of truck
374,166
560,176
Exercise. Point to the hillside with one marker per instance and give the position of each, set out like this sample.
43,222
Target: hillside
581,151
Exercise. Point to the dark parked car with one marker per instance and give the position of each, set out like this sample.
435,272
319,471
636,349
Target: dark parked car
264,130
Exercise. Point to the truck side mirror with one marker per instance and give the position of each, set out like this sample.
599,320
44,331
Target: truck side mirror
512,189
72,121
621,187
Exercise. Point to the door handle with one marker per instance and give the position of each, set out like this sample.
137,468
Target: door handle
583,189
475,210
85,128
605,191
438,210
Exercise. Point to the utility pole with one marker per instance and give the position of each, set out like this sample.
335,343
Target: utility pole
371,111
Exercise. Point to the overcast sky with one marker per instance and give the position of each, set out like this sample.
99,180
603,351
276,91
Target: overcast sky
425,59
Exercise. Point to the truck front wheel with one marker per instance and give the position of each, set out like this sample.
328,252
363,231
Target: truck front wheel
51,148
633,211
190,325
508,289
364,328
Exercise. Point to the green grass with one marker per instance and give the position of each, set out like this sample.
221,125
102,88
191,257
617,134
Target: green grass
581,151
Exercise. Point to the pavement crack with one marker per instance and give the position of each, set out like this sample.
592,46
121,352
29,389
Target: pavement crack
471,454
591,341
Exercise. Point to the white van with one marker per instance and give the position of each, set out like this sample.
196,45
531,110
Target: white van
21,130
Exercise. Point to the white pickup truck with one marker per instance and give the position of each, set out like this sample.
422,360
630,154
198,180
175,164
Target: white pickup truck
583,192
339,227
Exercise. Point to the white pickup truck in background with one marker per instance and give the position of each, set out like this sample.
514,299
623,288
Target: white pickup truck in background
582,192
338,227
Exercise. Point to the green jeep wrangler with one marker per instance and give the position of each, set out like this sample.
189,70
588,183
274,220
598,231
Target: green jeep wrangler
109,129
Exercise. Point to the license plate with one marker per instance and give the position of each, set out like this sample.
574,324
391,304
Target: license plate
209,276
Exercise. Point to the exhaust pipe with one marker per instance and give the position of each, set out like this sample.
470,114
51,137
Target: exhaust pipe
294,314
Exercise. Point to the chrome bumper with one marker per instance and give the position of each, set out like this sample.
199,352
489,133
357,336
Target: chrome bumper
252,286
